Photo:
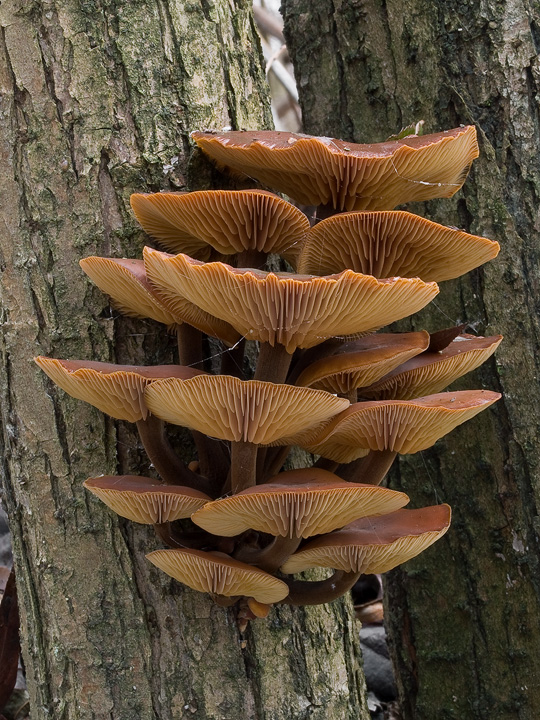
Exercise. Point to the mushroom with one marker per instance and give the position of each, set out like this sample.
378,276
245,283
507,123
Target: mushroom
250,223
388,427
118,390
347,176
430,372
293,505
249,413
386,244
145,500
126,283
293,311
219,575
366,546
361,362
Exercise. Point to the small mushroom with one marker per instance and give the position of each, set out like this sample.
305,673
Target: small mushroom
430,372
247,412
386,244
361,362
219,575
146,500
369,545
247,222
126,283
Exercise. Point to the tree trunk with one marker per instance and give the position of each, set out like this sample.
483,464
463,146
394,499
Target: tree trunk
98,99
463,616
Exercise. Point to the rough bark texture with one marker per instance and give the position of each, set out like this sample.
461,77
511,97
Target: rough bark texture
464,616
98,98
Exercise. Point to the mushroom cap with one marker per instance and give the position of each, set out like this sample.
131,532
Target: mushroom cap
219,575
387,244
230,221
431,372
297,503
125,281
117,390
348,176
403,426
363,361
374,544
145,500
225,407
293,310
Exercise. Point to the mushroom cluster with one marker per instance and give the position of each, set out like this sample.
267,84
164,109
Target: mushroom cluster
325,379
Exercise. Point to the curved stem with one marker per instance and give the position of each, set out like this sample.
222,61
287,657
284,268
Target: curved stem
189,346
162,456
302,592
273,363
272,557
370,469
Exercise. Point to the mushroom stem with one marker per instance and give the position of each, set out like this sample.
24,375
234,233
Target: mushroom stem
168,537
306,357
271,557
273,363
251,258
326,464
274,461
232,360
370,469
303,592
189,346
162,456
243,465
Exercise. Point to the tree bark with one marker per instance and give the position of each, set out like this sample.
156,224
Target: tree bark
464,616
98,99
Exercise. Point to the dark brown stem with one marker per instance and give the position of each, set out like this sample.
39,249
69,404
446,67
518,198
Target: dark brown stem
275,459
325,211
162,456
190,346
272,557
273,363
370,469
168,537
243,465
326,464
252,258
309,356
232,361
321,591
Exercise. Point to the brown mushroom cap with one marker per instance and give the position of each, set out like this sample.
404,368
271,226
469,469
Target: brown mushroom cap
219,575
374,544
403,426
387,244
125,281
230,221
293,310
297,503
348,176
117,390
145,500
225,407
431,372
362,362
